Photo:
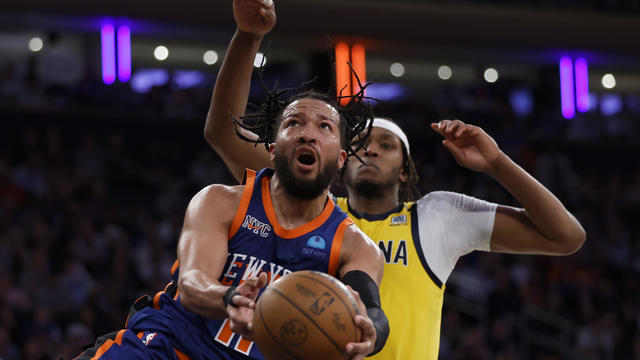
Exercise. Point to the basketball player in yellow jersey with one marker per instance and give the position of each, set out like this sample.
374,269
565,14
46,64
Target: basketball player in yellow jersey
421,237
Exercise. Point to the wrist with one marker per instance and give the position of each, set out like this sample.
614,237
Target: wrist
248,36
227,298
499,165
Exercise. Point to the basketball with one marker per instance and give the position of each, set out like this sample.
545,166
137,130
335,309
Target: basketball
305,315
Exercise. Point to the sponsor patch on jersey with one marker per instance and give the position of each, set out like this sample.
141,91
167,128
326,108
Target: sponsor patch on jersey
315,247
316,242
257,226
147,339
399,220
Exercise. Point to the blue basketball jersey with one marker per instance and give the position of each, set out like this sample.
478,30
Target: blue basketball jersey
257,243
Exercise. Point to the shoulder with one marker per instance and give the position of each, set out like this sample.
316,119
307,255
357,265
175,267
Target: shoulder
440,201
355,239
445,202
216,198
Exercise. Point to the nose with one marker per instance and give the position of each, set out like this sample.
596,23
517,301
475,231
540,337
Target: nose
307,135
370,150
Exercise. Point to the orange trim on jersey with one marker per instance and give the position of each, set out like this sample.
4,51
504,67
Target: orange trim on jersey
244,345
107,344
174,267
181,355
156,300
336,246
300,230
140,335
175,297
244,202
225,333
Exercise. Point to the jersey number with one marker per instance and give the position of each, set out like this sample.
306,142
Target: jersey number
225,335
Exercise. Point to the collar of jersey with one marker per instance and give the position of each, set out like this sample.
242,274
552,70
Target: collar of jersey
300,230
373,217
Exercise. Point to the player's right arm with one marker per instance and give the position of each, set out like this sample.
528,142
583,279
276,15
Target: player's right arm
254,18
202,249
202,254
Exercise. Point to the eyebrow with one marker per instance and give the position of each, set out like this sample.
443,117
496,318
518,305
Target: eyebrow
298,113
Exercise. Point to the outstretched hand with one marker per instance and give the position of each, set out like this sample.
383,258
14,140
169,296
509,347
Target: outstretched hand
256,17
241,315
470,145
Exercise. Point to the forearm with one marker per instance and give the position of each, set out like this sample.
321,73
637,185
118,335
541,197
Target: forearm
231,91
369,293
542,207
202,295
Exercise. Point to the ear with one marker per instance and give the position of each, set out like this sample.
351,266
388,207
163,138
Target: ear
402,175
341,159
272,151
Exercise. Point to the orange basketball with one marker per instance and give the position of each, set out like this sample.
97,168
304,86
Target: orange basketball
305,315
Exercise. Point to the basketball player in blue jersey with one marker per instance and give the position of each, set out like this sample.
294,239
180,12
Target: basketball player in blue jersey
237,239
421,237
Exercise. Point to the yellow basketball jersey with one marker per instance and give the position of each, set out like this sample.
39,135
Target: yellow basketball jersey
411,294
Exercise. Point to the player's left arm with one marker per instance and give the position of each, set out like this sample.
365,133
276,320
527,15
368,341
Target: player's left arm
543,225
361,268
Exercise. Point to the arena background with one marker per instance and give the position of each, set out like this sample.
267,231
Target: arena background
95,178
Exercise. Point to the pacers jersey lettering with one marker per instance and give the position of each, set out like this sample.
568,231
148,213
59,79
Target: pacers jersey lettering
410,317
257,244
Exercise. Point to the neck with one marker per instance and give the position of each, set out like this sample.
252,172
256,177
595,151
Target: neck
374,205
293,212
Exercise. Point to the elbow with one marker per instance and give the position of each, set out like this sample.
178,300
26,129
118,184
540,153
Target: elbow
186,300
210,133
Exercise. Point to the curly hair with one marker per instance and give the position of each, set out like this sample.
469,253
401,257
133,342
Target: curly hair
356,116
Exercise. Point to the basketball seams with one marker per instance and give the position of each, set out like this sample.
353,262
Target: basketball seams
301,311
337,296
310,319
275,339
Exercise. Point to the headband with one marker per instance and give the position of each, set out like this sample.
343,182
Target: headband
393,128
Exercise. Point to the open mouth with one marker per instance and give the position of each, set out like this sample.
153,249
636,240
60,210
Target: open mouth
306,156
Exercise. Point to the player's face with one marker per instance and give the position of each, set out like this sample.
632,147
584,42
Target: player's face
382,168
307,151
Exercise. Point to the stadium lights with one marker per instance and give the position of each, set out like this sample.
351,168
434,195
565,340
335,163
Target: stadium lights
35,44
444,72
107,34
566,88
210,57
491,75
124,54
161,53
608,81
397,69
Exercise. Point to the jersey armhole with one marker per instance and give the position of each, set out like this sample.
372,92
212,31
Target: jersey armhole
249,180
336,246
415,234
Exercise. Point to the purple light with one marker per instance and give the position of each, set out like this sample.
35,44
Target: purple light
582,85
566,88
124,54
108,54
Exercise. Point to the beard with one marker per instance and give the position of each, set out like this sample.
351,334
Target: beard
373,189
302,188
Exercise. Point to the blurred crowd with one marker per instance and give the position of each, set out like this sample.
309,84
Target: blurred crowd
94,182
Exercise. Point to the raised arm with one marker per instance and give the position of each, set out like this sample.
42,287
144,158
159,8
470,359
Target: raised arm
254,19
543,225
202,254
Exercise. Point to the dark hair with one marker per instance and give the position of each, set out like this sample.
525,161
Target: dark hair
356,116
408,190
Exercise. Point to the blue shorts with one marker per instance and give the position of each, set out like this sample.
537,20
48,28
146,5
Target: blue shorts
126,344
